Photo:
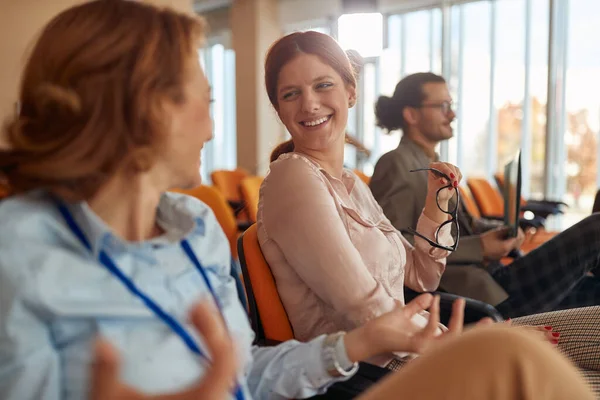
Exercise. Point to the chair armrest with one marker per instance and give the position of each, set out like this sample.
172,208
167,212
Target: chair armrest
236,206
548,203
494,217
542,210
243,225
537,222
474,309
267,342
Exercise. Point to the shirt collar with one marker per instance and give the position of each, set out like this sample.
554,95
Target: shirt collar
348,178
172,216
420,151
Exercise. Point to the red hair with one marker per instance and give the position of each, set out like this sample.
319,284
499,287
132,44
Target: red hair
288,48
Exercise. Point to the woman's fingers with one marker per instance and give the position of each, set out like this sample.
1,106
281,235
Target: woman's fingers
217,383
417,305
219,379
548,333
424,338
106,384
105,371
434,318
456,323
485,322
452,171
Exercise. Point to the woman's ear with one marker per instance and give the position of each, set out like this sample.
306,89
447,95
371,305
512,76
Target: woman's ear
351,96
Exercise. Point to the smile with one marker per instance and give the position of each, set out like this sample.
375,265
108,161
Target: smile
316,122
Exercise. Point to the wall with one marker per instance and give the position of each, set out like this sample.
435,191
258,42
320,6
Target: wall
255,26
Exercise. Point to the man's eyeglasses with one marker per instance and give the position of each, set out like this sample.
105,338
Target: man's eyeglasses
451,209
445,106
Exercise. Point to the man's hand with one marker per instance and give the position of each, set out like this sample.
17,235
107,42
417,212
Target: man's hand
496,245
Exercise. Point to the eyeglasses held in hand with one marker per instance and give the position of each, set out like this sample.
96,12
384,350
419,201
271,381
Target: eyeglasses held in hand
451,210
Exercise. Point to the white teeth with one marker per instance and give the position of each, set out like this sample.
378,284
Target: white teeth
316,122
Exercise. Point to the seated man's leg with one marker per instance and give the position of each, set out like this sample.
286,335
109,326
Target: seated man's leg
486,363
541,280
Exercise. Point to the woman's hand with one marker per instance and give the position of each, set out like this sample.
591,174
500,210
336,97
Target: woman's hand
434,183
395,331
545,333
216,384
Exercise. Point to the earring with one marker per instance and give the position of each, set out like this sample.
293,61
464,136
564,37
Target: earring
351,102
143,159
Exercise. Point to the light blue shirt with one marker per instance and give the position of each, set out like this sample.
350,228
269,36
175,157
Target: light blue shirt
56,298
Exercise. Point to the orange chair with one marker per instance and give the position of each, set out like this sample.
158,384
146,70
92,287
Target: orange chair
469,202
267,314
363,177
216,201
489,200
250,191
534,237
228,183
541,208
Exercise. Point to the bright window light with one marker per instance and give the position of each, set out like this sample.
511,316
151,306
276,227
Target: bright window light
361,32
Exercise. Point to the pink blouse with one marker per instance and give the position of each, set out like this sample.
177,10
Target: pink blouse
337,260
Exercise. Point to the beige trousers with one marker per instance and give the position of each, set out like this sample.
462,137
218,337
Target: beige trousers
491,363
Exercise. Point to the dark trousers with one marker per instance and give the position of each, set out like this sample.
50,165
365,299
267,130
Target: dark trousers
366,376
554,275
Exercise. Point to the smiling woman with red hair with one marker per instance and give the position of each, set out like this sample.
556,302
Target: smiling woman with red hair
337,261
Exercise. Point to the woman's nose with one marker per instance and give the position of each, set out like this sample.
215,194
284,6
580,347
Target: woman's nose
310,103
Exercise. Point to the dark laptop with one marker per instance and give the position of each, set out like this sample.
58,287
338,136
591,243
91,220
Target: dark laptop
512,195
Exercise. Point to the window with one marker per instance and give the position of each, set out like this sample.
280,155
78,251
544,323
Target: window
370,136
470,85
423,41
508,81
414,44
368,40
578,175
220,153
536,87
495,56
321,26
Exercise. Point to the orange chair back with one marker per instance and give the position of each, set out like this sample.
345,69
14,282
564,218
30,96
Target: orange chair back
489,200
216,201
469,202
4,190
363,177
499,178
250,190
228,182
267,314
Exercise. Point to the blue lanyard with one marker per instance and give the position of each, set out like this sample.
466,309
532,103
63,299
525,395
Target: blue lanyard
105,260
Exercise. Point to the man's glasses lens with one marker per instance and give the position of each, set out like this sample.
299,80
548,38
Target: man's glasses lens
446,107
